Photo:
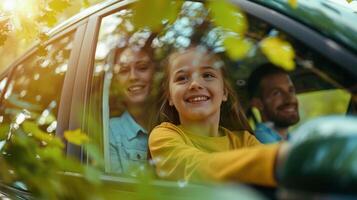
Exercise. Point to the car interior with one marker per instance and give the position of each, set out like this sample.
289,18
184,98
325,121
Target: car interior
315,77
323,88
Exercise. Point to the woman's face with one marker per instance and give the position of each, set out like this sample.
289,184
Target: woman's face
196,85
135,74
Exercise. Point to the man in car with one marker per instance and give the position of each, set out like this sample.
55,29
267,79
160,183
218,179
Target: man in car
272,92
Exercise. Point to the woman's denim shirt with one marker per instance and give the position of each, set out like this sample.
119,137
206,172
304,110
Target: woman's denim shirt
128,144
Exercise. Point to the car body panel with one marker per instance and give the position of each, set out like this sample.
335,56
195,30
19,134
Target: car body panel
328,18
315,40
78,108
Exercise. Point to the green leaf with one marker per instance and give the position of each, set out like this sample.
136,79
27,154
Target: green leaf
349,1
33,129
228,16
29,28
152,13
48,17
4,130
76,137
279,52
59,5
236,48
293,3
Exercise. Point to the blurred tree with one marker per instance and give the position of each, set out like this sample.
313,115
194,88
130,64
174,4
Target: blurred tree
22,23
33,157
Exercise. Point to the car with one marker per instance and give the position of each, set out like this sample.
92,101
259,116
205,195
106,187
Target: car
64,83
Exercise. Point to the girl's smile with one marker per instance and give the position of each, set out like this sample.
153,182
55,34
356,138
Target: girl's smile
197,99
196,87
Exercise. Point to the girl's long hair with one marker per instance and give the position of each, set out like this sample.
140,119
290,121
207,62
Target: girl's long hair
232,115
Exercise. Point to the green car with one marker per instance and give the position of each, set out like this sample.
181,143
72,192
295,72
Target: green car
65,83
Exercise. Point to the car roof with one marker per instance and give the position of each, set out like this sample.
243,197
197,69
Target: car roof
327,17
84,14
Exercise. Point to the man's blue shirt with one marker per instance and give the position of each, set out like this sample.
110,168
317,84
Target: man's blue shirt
265,133
128,143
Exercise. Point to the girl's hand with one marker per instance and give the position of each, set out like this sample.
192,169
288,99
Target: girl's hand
281,157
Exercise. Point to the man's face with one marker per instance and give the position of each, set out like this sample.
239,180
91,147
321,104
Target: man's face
278,100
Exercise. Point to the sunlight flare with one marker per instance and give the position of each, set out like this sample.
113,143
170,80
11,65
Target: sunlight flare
9,5
17,7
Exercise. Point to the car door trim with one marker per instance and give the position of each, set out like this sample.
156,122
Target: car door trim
311,38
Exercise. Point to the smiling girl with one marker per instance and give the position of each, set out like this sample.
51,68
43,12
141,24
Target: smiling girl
192,144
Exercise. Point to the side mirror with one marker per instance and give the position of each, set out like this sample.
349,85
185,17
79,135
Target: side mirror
323,158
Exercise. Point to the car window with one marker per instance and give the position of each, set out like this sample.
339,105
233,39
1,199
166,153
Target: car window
34,90
315,77
2,85
323,88
109,37
318,103
125,138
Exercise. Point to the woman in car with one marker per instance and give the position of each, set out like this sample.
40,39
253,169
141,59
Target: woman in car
133,73
193,142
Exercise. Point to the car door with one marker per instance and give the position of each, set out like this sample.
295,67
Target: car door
319,67
324,78
36,92
107,29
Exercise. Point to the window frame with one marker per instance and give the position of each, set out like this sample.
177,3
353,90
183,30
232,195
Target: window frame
66,92
85,83
5,74
304,34
311,38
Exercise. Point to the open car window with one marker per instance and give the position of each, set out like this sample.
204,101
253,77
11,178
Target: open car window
323,87
113,31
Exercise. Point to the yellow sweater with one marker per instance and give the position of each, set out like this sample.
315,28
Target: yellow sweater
233,157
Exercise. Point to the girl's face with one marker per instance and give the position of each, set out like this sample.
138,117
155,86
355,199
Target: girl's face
196,86
135,74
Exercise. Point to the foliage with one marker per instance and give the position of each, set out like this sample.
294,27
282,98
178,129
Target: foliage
236,47
228,17
76,137
152,14
279,52
293,3
235,25
34,160
4,29
29,20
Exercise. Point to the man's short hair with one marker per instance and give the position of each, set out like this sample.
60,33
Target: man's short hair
255,78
